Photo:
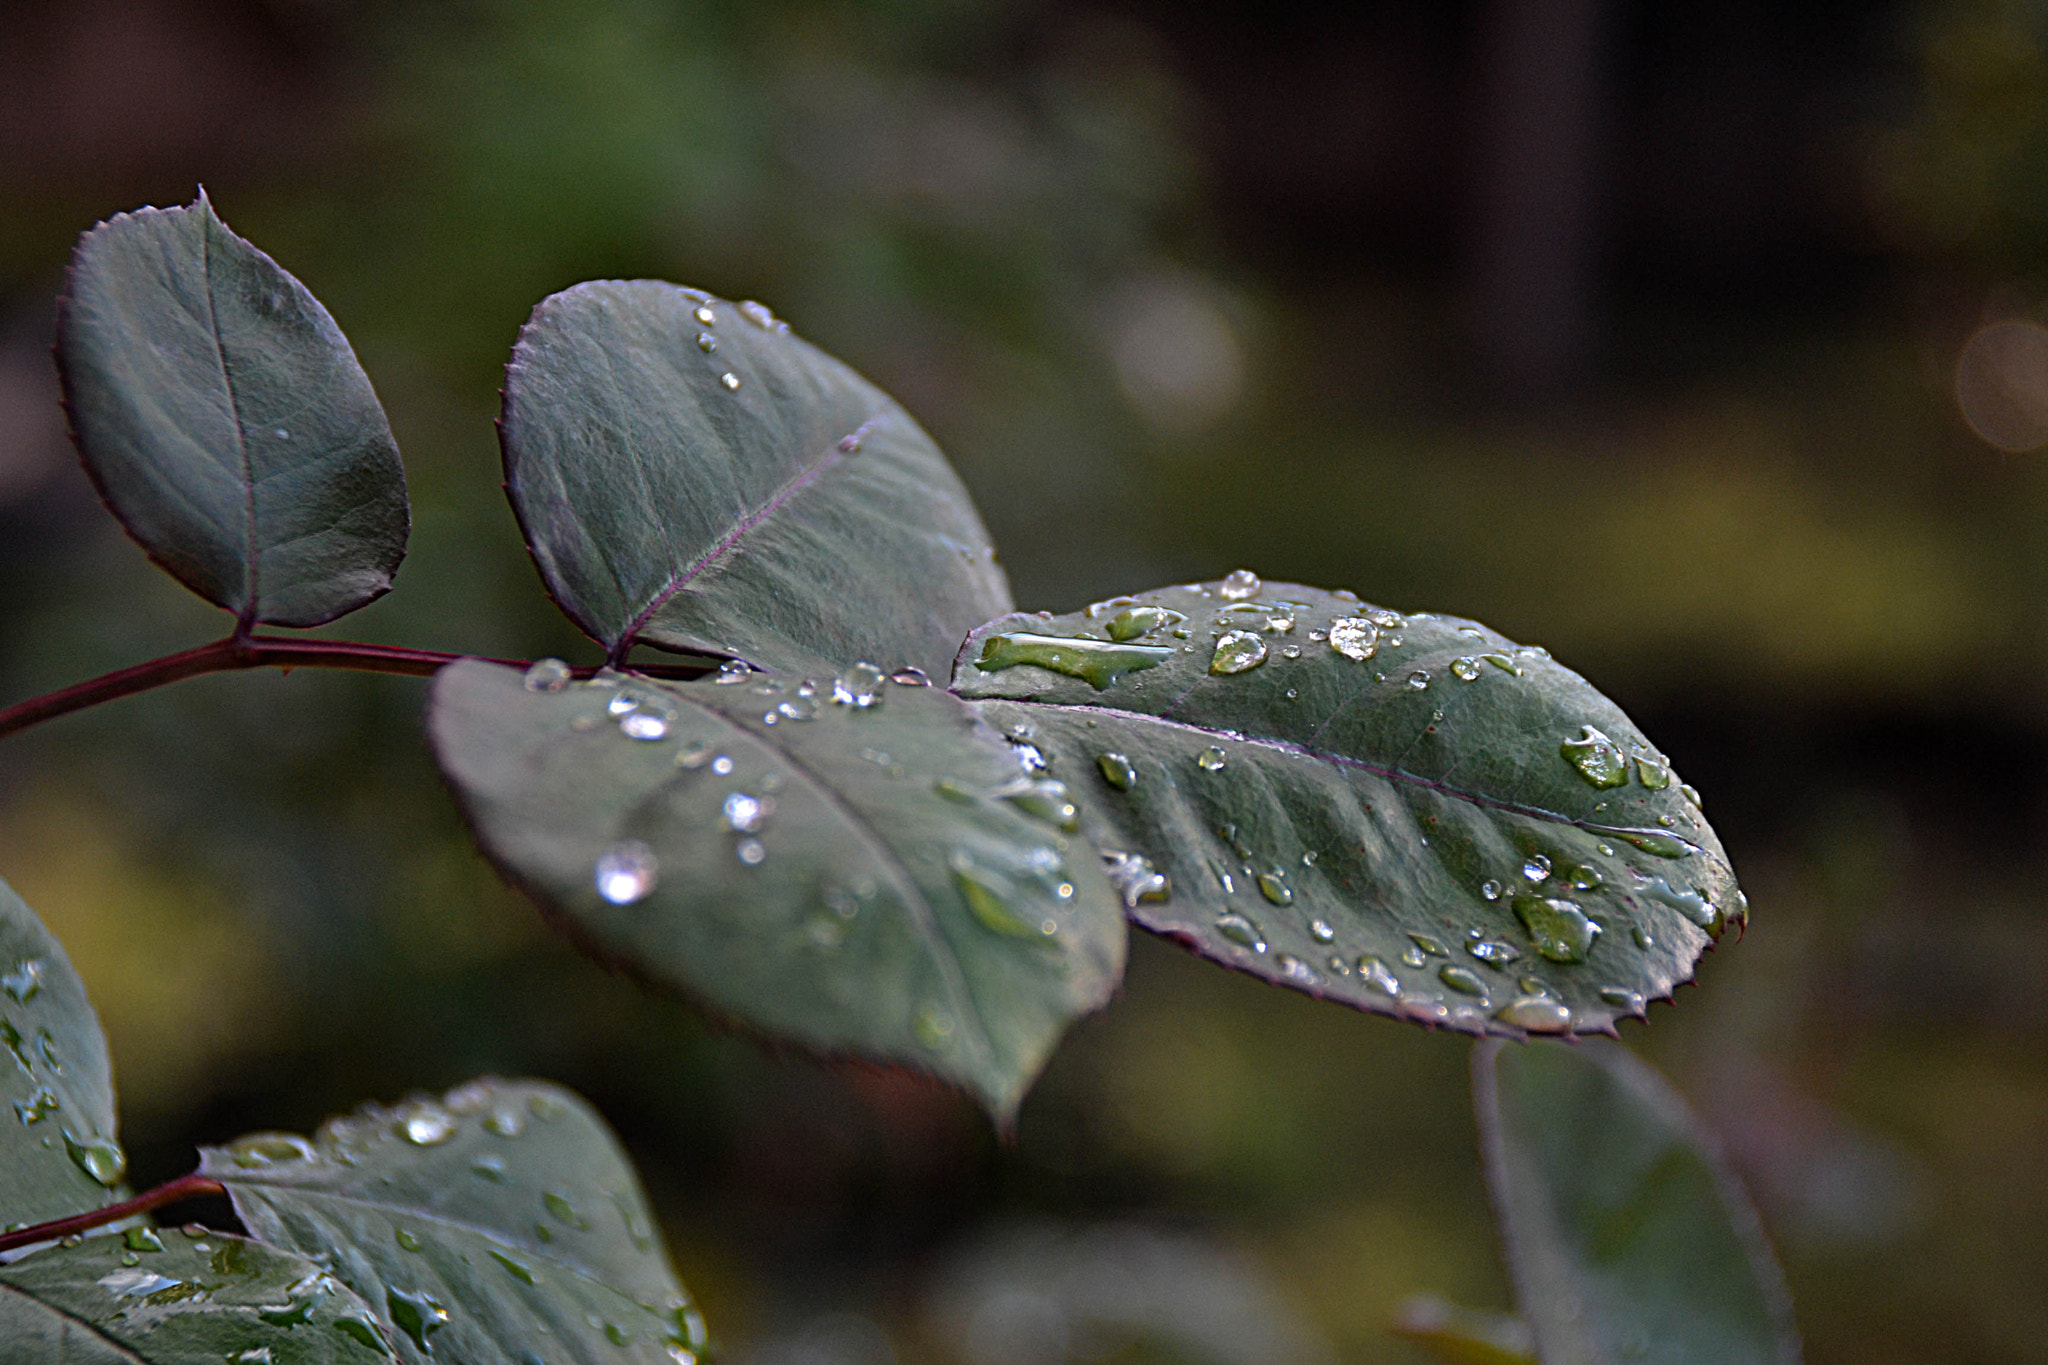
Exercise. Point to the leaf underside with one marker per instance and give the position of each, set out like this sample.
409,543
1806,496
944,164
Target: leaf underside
223,417
1628,1237
756,499
875,880
1428,830
170,1299
56,1084
502,1218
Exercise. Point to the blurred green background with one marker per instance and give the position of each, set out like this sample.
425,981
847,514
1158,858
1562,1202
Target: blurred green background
1695,341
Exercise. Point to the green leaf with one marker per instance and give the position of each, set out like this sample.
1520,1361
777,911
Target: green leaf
1409,814
1628,1237
1464,1336
690,475
226,422
58,1156
500,1219
873,877
169,1299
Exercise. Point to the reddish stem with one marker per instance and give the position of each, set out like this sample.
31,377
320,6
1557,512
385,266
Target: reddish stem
183,1188
258,651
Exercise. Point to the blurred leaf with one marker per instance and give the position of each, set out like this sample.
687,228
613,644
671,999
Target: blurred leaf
690,475
58,1156
168,1299
871,877
1628,1236
226,422
1461,1336
500,1219
1408,814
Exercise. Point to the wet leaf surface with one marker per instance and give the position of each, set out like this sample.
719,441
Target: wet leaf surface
1627,1235
1407,813
870,877
226,422
500,1219
691,475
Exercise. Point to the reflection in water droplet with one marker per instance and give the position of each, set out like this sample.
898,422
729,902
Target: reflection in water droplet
1135,621
1465,670
426,1124
1493,952
644,725
1211,759
1559,928
732,671
547,675
1419,679
1320,931
1536,868
1237,652
909,676
626,871
729,379
721,765
1536,1014
1490,889
1378,975
705,315
744,813
1099,663
1239,929
1585,878
1597,758
1239,585
1353,637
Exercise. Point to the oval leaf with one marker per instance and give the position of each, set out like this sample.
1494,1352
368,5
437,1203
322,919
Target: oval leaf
1410,814
872,877
690,475
226,422
168,1299
58,1156
1628,1237
499,1218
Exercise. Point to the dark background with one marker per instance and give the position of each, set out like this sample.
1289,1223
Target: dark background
1638,330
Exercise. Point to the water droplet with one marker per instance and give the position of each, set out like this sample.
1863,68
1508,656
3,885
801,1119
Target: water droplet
1041,799
988,896
142,1239
505,1123
1273,886
1465,670
722,766
908,676
564,1212
1238,651
1652,841
1239,929
859,687
1596,757
1490,889
1429,945
759,314
407,1239
1622,998
752,852
491,1168
1535,1014
1462,979
934,1027
1297,971
417,1314
258,1150
1378,975
1353,637
37,1107
1413,956
707,343
547,675
626,871
1654,773
1690,793
1559,928
1691,904
706,316
1586,878
1320,931
1240,584
729,379
733,671
1641,936
517,1269
798,708
1537,868
1099,663
643,725
101,1158
1132,622
426,1124
1493,952
1134,878
1419,679
1117,771
744,813
1211,759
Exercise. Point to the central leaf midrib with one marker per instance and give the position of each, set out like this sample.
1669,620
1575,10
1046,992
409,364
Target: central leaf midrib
246,616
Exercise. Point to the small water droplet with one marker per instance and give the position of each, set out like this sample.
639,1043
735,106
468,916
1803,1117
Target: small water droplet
908,676
491,1168
1117,771
1320,931
1691,904
1465,670
1378,975
1535,1014
1690,793
722,766
706,316
407,1239
1429,944
752,852
1239,585
644,725
729,379
514,1267
707,343
859,687
1490,889
1238,929
1537,868
416,1313
733,671
1297,971
1462,979
626,872
1238,651
1559,928
798,708
1596,758
1419,679
1641,936
426,1124
101,1158
1413,956
1586,878
547,675
1211,759
934,1027
759,314
255,1151
744,813
1273,886
1353,637
1622,998
1134,878
142,1239
1493,952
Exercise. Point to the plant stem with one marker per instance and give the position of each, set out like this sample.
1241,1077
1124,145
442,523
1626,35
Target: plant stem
183,1188
258,651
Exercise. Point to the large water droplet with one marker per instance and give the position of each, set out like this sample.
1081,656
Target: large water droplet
1211,759
1465,670
1354,637
1535,1014
1585,877
1559,928
1238,929
547,675
1653,841
1273,886
1240,584
417,1314
142,1239
733,671
1239,651
1132,622
426,1124
1462,979
1654,773
1117,771
1597,758
1099,663
626,871
254,1151
859,687
1691,904
101,1158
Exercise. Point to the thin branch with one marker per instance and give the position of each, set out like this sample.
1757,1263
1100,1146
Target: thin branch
183,1188
260,651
